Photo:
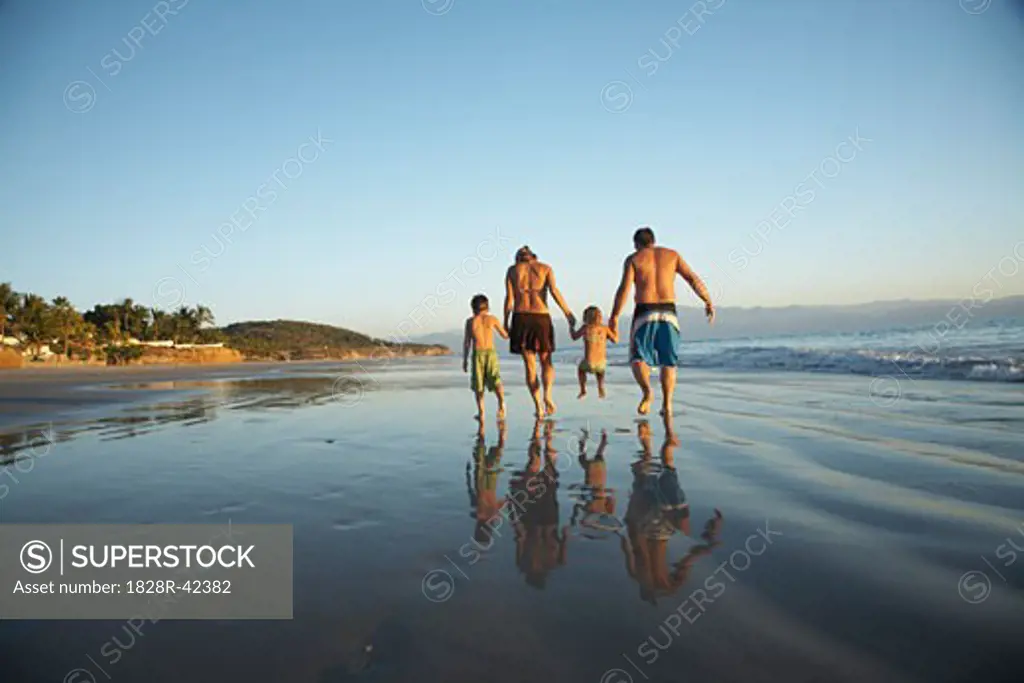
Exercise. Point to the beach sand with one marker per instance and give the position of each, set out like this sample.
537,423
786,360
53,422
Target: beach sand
860,539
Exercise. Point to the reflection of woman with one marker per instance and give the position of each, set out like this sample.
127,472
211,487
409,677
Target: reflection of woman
540,547
656,511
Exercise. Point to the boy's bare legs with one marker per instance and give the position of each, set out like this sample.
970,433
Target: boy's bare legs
600,385
668,389
642,373
549,382
500,391
583,381
480,406
530,363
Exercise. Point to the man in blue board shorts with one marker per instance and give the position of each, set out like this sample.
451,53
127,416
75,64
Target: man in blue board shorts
654,336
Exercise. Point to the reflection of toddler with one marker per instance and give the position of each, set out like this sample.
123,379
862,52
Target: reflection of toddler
597,500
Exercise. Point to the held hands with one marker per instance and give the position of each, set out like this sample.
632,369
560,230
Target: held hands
572,320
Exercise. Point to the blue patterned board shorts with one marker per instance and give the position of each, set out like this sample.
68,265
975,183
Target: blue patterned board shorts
654,338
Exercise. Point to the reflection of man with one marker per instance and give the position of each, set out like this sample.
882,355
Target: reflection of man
656,510
654,338
531,333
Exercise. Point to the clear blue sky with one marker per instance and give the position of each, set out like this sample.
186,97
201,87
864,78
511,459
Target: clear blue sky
446,127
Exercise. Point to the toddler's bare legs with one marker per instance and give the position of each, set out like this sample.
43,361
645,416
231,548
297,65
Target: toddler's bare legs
600,385
583,381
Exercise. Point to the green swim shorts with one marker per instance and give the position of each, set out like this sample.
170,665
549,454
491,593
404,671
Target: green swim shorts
485,370
594,368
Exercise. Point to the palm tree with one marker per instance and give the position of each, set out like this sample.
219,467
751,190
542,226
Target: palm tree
112,331
107,319
202,316
126,316
8,304
34,322
65,320
141,321
184,325
160,322
85,335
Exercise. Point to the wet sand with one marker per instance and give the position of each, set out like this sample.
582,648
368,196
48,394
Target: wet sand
35,395
857,541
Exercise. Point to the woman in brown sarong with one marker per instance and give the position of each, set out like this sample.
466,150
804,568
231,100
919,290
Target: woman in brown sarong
531,333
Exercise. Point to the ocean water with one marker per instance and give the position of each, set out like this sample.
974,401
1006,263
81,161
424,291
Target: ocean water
992,352
783,525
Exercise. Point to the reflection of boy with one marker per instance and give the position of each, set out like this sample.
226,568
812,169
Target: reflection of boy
484,495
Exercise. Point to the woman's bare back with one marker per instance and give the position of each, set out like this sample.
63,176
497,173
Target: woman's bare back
529,286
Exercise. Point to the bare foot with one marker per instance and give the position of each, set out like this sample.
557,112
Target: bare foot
550,406
666,411
479,417
583,392
645,405
601,392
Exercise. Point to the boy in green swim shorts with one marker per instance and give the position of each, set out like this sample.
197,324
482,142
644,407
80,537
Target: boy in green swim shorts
595,360
480,336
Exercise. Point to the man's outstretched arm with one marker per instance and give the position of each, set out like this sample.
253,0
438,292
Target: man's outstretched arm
697,285
621,293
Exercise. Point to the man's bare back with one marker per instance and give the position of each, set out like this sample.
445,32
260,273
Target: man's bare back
653,270
654,274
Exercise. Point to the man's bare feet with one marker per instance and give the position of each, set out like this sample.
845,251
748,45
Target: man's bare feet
550,406
645,405
583,393
666,411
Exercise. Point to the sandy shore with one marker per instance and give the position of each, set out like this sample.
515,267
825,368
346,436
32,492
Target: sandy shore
32,395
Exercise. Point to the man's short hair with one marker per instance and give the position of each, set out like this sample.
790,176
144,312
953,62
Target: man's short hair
479,303
644,237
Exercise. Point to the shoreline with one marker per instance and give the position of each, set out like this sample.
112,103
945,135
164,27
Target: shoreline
30,396
75,366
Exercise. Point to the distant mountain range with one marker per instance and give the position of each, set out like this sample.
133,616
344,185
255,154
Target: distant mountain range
736,322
